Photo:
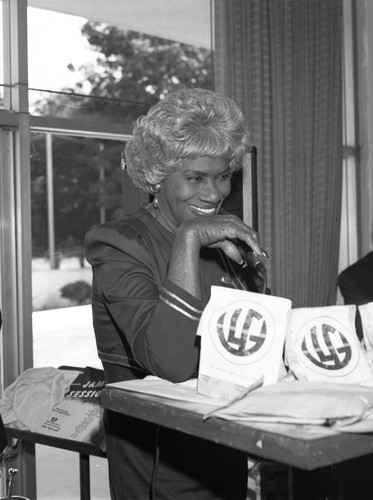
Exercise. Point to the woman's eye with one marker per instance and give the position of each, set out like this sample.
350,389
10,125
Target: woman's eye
225,177
195,179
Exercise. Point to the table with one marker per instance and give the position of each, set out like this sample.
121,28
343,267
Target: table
304,447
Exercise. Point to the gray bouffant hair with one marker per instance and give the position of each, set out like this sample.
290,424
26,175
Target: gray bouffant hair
185,124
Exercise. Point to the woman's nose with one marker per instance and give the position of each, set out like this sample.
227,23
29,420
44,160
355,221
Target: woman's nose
211,193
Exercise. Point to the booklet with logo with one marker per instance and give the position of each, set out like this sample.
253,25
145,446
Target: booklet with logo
322,345
79,415
242,338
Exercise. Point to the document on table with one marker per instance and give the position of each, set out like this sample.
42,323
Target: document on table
298,402
183,391
345,407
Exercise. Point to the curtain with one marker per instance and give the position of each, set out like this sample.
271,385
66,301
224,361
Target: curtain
281,61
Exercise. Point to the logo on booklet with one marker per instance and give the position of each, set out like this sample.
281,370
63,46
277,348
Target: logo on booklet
325,344
242,330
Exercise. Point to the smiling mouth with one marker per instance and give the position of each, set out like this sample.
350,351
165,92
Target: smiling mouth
203,211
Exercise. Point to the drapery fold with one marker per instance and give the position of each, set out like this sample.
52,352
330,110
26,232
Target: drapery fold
282,61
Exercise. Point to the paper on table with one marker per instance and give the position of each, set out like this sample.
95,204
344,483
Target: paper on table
183,391
316,403
253,386
362,426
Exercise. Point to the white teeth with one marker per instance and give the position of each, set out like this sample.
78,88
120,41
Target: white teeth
204,211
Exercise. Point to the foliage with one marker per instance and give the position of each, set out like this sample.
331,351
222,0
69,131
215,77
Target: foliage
78,292
81,199
132,72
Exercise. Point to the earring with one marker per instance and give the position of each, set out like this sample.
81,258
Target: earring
155,190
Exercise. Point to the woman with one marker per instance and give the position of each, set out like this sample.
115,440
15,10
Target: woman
152,273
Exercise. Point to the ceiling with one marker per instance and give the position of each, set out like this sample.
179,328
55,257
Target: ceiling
186,21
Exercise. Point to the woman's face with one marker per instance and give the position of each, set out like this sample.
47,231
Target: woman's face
197,189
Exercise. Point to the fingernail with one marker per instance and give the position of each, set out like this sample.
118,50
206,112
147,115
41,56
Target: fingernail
264,253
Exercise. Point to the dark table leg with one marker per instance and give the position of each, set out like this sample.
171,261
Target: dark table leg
85,486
